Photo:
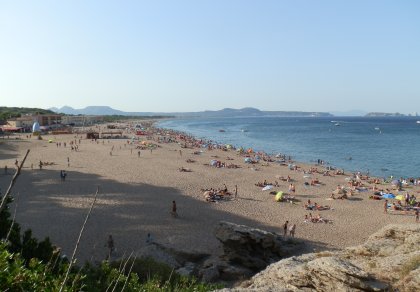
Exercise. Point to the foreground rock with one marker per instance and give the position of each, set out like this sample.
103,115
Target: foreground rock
246,251
390,259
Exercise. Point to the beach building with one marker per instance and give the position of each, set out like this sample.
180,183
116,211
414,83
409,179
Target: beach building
25,122
48,120
22,122
81,120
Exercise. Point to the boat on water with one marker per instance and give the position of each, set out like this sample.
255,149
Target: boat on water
244,130
337,124
377,128
222,131
418,122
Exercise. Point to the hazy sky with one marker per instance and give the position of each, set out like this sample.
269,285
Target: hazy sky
197,55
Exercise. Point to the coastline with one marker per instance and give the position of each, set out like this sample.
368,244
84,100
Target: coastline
137,191
376,149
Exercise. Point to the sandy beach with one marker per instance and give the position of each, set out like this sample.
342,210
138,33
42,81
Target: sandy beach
136,194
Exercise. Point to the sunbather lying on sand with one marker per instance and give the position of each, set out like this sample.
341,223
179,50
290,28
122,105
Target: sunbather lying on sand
316,219
316,207
183,169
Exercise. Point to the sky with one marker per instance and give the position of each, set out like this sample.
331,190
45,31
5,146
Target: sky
171,56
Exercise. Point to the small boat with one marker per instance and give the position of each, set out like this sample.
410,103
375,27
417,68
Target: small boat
244,130
337,124
222,131
418,122
377,128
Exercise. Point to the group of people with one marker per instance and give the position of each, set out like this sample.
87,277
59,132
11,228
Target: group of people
215,195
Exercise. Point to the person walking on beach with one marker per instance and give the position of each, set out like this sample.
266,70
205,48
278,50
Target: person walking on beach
285,228
110,246
386,206
138,154
68,161
5,169
417,215
173,212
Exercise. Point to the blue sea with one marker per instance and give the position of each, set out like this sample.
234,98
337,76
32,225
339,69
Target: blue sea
382,146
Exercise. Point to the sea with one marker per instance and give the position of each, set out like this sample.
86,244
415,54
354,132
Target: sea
380,146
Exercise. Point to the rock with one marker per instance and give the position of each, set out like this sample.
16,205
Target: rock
187,270
390,259
210,274
250,247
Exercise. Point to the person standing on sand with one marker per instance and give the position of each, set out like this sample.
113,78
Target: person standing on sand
285,228
173,212
138,154
386,206
292,230
417,215
110,246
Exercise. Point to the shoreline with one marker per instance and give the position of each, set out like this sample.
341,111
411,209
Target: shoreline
313,161
137,191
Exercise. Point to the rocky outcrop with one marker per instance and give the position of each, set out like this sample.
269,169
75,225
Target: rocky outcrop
250,247
390,259
246,250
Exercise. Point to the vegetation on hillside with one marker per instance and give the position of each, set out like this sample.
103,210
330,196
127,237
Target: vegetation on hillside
15,112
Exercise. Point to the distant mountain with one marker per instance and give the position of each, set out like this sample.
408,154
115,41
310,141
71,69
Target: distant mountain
226,112
90,110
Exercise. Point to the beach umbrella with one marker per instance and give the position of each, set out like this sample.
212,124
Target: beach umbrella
213,162
257,157
247,160
388,196
50,141
395,182
267,187
399,197
279,196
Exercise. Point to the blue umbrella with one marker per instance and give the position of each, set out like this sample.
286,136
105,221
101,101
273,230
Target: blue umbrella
388,196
